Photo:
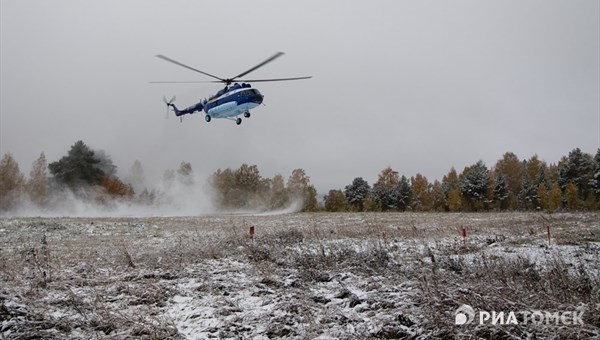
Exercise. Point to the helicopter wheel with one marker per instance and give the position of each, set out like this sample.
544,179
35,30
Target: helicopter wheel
207,118
238,121
247,114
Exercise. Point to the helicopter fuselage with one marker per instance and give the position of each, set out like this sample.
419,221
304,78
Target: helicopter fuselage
234,101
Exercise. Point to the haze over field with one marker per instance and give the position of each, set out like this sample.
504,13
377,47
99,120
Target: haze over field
418,86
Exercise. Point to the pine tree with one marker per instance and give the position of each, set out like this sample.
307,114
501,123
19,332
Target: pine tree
501,191
578,169
79,166
402,194
528,194
356,192
595,180
384,190
543,196
105,164
474,184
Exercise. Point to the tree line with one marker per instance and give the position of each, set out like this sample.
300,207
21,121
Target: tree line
90,175
511,184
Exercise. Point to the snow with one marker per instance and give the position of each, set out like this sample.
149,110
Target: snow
319,276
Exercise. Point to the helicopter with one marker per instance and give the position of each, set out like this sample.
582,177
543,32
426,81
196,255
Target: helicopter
229,102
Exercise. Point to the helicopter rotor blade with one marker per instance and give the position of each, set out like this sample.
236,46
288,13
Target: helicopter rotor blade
185,82
188,67
274,79
275,56
168,102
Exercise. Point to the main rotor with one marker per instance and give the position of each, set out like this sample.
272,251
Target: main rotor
228,81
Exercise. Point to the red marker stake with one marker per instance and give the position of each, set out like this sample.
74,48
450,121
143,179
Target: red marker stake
384,235
252,233
464,235
548,228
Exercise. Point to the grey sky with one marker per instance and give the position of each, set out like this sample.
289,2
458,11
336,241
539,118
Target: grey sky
420,86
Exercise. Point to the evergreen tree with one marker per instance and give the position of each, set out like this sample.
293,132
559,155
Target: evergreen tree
356,193
450,181
402,194
383,196
105,164
543,196
578,169
528,194
501,191
384,191
595,180
474,184
79,166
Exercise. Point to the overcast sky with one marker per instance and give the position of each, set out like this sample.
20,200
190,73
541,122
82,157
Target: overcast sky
420,86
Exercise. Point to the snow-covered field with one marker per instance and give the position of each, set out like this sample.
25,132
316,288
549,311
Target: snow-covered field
323,275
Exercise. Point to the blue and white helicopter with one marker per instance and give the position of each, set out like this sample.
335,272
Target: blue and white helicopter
230,102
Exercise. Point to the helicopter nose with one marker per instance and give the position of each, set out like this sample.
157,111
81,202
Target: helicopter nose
258,98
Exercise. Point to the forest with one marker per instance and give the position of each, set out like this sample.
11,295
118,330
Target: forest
573,183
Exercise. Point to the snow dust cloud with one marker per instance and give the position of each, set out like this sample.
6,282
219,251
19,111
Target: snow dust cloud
165,199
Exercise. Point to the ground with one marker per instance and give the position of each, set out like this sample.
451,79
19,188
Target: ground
322,275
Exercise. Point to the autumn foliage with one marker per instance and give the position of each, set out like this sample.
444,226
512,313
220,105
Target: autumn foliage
115,187
510,184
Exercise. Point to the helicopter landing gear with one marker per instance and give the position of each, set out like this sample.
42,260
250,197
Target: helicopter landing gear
207,118
247,114
238,121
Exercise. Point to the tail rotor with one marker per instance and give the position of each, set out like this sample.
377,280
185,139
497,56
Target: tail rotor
169,103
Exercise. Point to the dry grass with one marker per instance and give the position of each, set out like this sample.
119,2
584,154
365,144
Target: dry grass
117,277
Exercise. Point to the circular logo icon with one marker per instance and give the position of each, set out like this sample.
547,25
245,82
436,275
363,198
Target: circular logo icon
464,315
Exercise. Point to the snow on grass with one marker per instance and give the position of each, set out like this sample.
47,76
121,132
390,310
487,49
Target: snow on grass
305,275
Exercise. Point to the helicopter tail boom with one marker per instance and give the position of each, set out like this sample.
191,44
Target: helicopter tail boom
189,110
